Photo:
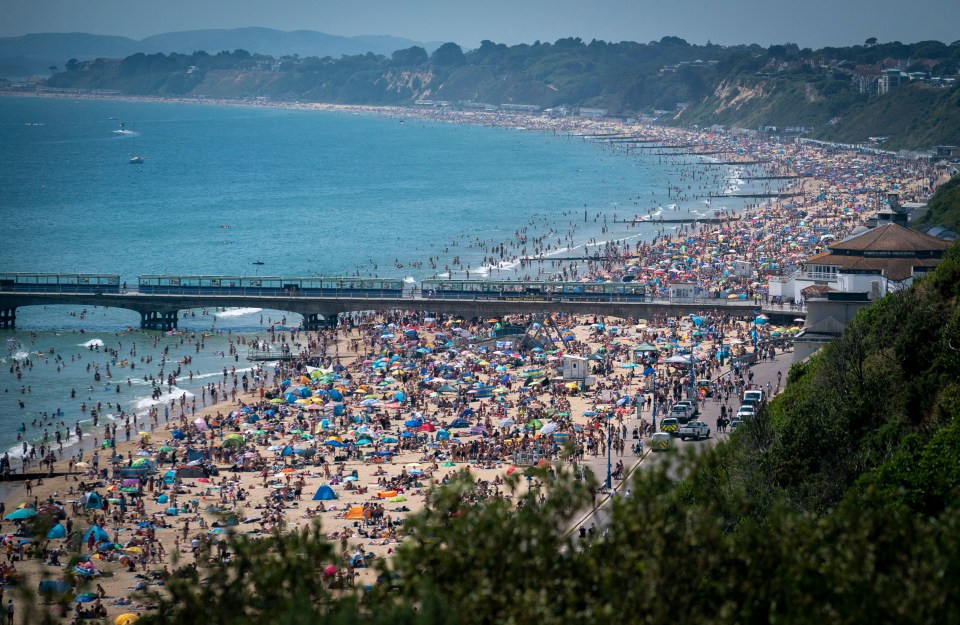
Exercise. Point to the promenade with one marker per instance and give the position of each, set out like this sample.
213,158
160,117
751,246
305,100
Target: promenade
770,373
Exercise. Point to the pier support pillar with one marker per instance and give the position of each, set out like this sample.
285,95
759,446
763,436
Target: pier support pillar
156,320
8,318
316,321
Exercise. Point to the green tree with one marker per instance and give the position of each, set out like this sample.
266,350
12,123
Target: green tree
410,57
447,55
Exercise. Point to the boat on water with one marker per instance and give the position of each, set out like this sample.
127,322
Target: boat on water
135,159
122,130
258,262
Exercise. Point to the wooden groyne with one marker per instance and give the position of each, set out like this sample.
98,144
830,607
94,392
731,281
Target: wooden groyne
756,195
790,177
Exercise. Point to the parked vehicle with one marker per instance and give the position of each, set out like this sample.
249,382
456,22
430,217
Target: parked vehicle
753,397
695,430
746,412
670,425
661,441
694,406
681,413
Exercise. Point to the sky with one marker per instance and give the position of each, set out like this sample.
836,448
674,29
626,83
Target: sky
808,23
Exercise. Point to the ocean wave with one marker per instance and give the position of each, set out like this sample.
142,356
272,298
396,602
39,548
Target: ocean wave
237,312
175,393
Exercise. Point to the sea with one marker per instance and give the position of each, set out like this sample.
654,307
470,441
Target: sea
305,193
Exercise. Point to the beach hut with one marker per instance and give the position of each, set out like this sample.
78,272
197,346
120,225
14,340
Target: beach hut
324,493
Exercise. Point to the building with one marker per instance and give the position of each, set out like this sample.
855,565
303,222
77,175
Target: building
575,368
828,314
890,79
593,113
874,262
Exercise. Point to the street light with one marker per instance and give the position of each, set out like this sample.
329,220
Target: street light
650,356
609,458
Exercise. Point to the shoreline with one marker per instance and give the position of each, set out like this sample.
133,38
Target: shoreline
391,382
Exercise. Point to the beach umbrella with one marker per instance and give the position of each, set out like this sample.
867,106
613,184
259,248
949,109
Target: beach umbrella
549,428
126,619
86,597
534,424
20,514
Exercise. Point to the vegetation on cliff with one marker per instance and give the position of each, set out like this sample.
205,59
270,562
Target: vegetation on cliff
746,86
837,503
944,206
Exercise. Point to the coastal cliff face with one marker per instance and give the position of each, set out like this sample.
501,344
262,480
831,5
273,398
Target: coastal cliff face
831,93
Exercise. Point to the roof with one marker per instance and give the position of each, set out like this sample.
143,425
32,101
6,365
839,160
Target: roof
829,326
815,290
891,238
892,268
891,250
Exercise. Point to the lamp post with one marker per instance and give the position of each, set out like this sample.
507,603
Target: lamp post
653,417
609,457
650,356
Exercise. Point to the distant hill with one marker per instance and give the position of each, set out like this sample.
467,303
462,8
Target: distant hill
832,93
275,43
33,54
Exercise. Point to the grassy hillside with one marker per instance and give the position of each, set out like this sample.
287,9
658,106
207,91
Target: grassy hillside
944,206
926,115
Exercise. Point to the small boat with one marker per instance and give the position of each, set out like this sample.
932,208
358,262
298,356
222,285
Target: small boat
122,130
258,262
137,160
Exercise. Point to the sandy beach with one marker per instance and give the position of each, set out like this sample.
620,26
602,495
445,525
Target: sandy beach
375,415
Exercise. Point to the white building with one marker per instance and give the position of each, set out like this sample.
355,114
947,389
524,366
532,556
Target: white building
875,262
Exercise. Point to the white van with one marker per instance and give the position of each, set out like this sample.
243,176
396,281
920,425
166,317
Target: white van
753,397
661,441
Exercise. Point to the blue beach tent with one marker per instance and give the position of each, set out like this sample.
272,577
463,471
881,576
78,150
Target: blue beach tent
92,501
57,531
98,534
324,493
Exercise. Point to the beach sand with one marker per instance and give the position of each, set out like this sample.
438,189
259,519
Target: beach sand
825,202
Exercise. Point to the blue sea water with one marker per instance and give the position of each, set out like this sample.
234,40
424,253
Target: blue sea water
306,192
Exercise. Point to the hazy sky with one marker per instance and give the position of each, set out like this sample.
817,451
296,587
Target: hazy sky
809,23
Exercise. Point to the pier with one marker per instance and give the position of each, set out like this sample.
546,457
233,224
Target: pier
159,299
161,312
